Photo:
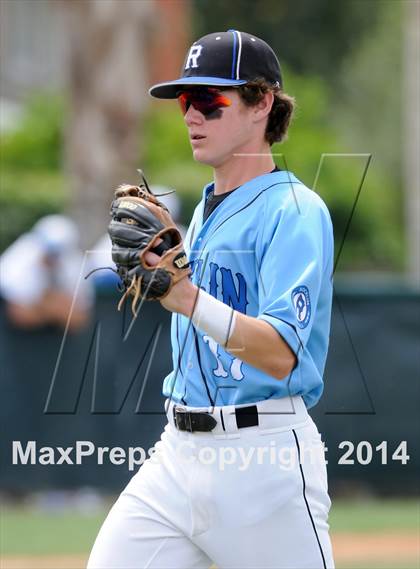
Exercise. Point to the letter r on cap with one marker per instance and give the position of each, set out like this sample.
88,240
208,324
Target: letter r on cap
193,55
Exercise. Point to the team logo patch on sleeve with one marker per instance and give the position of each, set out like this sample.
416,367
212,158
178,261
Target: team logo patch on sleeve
302,305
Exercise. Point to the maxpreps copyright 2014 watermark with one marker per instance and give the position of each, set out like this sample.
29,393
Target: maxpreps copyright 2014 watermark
224,457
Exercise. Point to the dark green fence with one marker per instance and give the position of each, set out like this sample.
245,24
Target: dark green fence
91,387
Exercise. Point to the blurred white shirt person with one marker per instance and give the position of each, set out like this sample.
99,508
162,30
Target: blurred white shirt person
41,277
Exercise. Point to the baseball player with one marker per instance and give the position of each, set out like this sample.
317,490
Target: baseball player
238,478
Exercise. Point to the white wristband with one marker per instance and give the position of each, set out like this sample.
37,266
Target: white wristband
214,317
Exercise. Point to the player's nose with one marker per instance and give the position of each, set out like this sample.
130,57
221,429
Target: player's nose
192,116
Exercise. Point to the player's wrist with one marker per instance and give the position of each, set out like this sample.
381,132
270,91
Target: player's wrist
189,299
213,317
181,298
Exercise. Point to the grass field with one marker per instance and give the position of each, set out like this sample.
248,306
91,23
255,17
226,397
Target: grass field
370,534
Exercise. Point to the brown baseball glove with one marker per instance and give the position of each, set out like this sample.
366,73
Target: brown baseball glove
141,223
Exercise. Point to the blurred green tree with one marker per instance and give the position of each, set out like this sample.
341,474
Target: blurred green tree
367,113
31,180
308,36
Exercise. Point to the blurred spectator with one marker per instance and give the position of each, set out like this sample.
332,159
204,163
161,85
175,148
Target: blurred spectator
100,255
39,277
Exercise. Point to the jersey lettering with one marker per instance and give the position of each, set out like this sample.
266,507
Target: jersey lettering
232,297
213,279
196,268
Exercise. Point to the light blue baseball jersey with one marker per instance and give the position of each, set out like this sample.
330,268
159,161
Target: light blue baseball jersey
266,251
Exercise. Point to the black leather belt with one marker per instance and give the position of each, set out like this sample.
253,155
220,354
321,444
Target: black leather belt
200,421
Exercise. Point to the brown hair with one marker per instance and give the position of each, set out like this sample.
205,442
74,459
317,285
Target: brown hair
281,112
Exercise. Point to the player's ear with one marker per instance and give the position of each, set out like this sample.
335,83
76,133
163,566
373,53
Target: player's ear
263,108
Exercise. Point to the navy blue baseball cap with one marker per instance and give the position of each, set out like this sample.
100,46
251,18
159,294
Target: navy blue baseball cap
224,59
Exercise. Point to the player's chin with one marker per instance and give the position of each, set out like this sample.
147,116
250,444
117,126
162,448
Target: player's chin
200,155
204,156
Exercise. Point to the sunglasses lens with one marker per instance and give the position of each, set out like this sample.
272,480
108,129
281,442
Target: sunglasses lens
184,102
204,100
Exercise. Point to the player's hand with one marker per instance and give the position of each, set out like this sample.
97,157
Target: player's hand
182,295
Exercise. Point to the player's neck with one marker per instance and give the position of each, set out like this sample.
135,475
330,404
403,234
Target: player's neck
240,169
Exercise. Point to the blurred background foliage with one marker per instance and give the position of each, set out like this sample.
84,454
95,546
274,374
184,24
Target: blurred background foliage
32,178
355,109
310,36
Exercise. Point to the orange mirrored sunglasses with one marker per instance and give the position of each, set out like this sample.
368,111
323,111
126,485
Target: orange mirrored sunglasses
207,100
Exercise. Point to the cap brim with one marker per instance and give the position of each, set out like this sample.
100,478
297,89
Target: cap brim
170,89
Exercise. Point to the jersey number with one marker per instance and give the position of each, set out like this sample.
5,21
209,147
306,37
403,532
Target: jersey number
235,366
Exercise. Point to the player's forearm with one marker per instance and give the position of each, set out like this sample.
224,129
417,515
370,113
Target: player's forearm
251,340
259,344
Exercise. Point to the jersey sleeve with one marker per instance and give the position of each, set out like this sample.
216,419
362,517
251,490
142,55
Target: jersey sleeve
295,261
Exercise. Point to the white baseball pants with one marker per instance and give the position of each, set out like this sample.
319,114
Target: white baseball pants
239,498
